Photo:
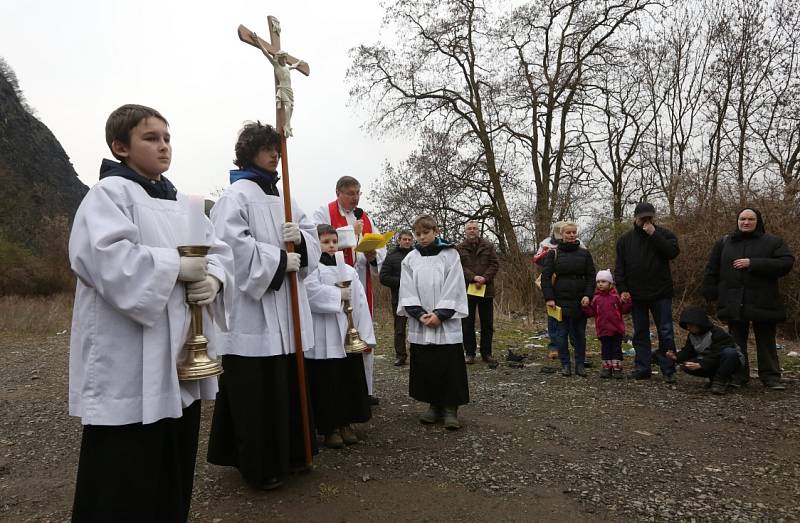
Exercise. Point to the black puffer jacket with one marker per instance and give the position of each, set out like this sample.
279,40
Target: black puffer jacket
390,271
575,277
720,339
748,294
642,267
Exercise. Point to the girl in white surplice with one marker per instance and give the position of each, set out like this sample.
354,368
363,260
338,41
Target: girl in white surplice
432,293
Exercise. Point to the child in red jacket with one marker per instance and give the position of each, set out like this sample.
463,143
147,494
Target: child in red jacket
607,308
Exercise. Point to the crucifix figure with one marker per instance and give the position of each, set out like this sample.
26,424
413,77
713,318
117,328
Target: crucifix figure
282,64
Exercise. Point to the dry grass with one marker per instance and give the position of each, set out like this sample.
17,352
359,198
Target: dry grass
36,314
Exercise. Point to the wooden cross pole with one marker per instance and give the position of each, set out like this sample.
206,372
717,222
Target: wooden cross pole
284,98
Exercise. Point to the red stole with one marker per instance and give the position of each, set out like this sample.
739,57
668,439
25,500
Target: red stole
338,220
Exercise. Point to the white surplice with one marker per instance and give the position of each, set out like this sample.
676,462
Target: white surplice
130,318
251,222
363,268
433,282
330,321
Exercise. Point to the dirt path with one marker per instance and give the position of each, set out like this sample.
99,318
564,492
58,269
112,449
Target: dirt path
534,447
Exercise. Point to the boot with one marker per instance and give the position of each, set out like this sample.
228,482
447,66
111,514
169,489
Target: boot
348,435
605,373
566,370
719,386
432,415
580,370
451,418
334,441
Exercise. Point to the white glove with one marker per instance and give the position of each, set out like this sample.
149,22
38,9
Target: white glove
292,262
291,233
203,292
347,293
193,268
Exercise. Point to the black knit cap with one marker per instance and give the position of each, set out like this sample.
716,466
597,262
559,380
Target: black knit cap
644,209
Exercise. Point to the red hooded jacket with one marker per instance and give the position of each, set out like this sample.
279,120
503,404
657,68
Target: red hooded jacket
607,308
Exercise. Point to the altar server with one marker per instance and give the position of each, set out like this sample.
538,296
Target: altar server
432,292
130,321
337,380
257,425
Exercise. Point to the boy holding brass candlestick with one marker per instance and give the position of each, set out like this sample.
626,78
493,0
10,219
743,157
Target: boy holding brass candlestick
336,378
257,425
130,321
432,292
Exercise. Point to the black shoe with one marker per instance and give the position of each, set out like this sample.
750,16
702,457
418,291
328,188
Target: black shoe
639,375
719,387
400,361
775,385
580,370
605,373
670,378
566,371
373,400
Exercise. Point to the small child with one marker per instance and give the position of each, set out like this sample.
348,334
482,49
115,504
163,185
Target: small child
432,292
129,323
607,308
337,379
709,351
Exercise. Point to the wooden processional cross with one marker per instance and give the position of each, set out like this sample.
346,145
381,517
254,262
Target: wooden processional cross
283,63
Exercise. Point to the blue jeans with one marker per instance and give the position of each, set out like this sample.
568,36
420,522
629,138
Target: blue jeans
662,317
573,328
552,334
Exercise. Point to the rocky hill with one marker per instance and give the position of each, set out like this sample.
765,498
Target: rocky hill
39,193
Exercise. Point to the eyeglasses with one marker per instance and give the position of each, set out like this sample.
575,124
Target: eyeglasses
351,194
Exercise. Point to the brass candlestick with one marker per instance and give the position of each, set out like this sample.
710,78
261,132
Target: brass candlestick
194,363
352,341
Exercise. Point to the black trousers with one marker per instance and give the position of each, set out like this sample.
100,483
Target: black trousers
484,308
769,369
137,472
400,323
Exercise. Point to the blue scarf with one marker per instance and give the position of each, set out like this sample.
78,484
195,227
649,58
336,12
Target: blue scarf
265,179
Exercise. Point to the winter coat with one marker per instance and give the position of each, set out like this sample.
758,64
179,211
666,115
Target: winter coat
607,309
642,267
479,258
720,339
574,271
390,271
749,294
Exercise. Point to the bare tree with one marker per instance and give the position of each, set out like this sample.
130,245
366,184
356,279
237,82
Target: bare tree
440,69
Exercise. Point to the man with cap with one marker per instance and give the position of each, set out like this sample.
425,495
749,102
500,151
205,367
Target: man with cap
643,276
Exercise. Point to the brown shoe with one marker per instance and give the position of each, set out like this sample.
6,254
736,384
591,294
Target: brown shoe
348,435
490,362
334,441
400,361
469,360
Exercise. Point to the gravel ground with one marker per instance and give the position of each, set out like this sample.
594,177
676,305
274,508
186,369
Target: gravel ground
534,446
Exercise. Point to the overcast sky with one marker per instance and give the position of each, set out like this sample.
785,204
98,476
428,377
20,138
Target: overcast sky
76,61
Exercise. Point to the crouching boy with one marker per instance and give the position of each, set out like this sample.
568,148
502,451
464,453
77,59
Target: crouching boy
432,292
709,351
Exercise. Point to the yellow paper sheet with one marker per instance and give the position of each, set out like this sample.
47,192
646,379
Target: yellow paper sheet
372,241
473,290
555,312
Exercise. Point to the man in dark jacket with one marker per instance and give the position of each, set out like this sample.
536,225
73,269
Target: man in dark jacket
742,275
709,352
643,275
390,277
480,263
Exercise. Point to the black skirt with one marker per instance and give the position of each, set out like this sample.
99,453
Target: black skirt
257,426
137,472
438,375
338,392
